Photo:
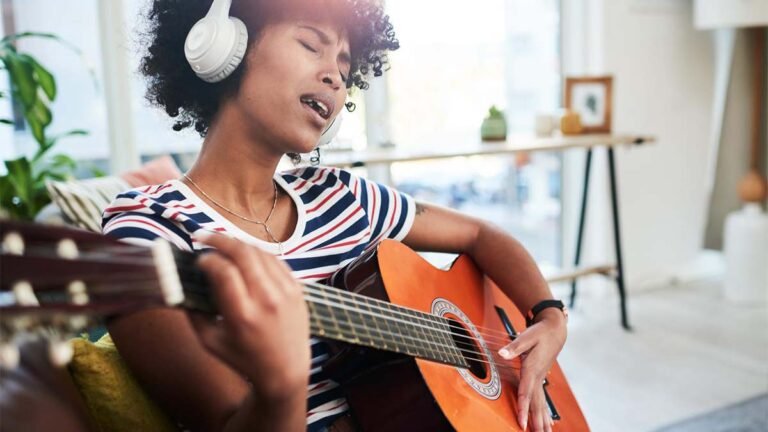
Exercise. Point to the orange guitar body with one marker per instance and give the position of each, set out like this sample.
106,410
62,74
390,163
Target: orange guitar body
412,282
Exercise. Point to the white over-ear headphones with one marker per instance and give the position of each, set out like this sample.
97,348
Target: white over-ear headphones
215,47
216,44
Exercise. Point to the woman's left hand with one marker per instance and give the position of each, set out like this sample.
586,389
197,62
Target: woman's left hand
538,347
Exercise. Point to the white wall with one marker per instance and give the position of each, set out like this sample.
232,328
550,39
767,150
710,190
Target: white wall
663,85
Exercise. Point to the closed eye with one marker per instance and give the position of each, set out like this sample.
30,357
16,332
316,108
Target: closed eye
307,46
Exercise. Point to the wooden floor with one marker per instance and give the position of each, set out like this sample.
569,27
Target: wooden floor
690,352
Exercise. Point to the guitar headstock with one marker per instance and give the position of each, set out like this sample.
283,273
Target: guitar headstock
57,281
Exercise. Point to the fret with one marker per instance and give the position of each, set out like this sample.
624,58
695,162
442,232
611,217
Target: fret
356,320
313,314
426,342
415,339
326,317
372,322
438,338
451,350
396,329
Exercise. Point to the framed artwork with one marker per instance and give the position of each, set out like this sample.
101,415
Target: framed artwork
591,97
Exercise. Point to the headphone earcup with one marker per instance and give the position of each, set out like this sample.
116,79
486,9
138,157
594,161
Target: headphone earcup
206,42
330,132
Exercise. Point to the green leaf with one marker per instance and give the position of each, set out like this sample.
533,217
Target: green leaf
20,177
14,37
38,132
71,133
96,172
63,161
45,79
6,192
6,43
6,121
40,112
22,79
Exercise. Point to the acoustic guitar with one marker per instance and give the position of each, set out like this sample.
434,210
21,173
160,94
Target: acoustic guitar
414,347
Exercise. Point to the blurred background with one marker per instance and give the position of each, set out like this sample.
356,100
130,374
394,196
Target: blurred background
684,72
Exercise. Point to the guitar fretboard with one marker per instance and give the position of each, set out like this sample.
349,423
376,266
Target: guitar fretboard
359,320
353,318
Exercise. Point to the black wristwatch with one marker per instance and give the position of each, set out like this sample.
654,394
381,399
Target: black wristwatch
545,304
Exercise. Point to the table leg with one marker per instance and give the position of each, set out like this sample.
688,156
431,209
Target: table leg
617,241
582,217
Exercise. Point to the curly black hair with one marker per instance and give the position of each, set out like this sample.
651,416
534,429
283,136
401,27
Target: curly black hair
192,102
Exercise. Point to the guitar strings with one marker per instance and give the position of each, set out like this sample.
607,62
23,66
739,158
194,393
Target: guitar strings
138,285
471,354
324,291
489,333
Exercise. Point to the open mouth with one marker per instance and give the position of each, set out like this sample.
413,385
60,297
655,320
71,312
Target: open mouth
321,104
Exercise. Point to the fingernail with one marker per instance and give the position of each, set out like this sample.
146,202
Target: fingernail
524,421
506,353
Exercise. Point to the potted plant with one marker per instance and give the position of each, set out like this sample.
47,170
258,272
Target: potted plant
33,87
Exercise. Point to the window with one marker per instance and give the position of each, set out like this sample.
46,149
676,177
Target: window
80,101
453,64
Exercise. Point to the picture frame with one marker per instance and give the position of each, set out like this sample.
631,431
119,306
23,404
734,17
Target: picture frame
592,98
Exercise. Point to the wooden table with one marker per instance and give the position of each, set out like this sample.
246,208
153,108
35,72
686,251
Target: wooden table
516,144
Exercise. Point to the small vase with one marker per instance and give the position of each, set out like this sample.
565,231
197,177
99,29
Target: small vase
494,128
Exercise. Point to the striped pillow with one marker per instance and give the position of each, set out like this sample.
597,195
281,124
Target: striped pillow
83,201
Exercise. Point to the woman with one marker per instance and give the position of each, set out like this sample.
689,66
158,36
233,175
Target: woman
252,367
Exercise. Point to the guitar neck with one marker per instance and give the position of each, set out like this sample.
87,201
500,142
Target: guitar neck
89,275
359,320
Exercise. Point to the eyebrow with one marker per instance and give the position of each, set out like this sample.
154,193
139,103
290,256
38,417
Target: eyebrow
344,55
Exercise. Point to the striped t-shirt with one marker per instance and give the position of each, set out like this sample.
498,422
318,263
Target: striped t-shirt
339,216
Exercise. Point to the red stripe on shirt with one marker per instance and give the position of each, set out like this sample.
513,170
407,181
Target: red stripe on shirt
317,276
325,232
317,207
141,221
124,208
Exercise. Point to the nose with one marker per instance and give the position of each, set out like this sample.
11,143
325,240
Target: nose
328,78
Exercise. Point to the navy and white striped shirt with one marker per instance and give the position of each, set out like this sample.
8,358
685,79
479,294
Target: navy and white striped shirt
339,216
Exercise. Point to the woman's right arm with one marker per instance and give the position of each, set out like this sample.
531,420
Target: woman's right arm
197,369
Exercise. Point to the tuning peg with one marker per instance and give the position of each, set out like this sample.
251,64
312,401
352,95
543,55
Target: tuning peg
9,356
77,292
60,353
13,243
25,295
67,249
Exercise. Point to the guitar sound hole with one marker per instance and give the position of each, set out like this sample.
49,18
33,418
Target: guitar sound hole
469,349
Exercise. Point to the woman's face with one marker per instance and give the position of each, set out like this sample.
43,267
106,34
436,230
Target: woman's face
294,84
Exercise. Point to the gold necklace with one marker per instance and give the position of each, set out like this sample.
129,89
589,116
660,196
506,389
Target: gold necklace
264,224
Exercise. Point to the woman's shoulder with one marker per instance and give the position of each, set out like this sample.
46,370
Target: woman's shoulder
146,199
147,212
162,192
